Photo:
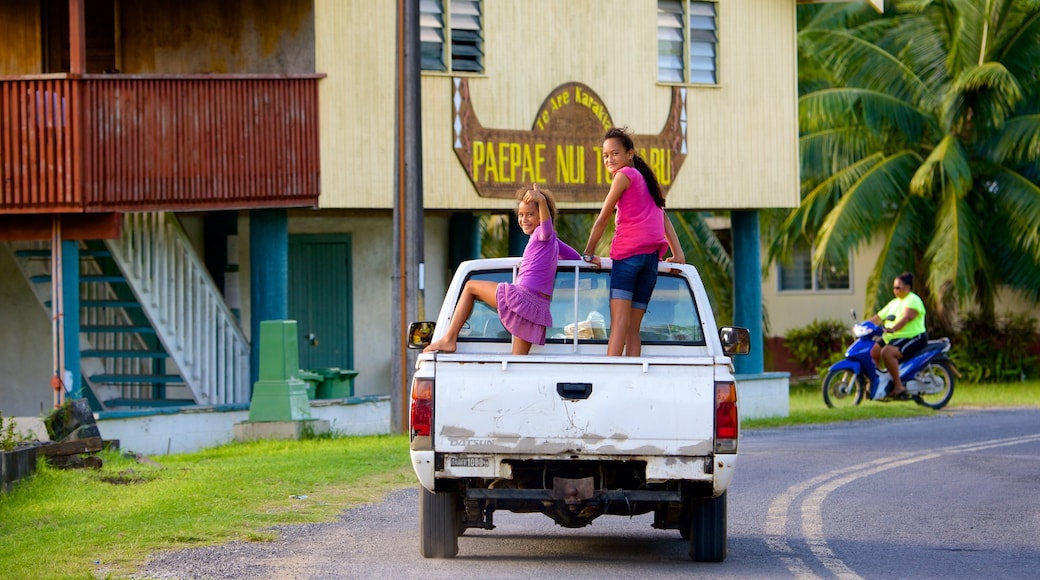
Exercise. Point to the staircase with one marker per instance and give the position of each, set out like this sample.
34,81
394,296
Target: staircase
155,330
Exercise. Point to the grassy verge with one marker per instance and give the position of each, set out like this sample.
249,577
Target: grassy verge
807,405
85,524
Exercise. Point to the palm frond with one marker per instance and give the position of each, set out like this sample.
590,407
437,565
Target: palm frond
857,62
822,151
865,206
879,113
803,222
954,253
915,42
981,97
947,169
841,16
1019,198
1018,141
1020,272
494,235
897,253
574,228
705,252
1018,47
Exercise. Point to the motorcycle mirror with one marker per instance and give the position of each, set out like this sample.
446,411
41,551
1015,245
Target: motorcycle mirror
890,317
853,311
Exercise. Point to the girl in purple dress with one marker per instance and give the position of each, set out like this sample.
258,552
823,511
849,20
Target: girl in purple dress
523,306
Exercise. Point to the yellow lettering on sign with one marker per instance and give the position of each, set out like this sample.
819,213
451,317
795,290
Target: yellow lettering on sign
478,158
543,119
560,100
515,159
602,176
508,162
570,164
660,160
590,102
491,165
532,164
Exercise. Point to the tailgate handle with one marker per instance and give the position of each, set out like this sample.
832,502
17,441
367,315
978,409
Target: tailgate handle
574,390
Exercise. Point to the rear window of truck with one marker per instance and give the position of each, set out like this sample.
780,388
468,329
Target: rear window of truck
581,304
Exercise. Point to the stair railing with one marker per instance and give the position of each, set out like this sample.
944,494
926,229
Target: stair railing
90,317
185,307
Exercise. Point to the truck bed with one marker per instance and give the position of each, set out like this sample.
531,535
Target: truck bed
558,404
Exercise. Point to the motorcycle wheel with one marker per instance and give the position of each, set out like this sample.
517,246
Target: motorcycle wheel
843,389
938,372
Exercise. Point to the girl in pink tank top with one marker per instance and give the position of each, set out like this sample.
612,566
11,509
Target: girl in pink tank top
642,234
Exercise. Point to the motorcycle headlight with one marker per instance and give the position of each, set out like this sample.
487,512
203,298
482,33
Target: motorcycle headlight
859,331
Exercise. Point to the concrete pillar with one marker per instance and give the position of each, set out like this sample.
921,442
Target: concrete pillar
747,284
268,276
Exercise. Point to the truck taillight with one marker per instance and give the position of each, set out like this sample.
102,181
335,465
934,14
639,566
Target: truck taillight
421,416
727,424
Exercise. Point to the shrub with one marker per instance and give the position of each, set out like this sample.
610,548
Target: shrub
987,350
815,345
9,438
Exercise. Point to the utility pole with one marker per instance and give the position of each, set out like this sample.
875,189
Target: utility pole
408,284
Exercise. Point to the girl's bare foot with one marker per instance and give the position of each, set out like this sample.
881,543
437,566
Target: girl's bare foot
441,345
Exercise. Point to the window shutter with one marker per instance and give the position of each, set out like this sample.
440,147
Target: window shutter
467,38
431,35
670,41
702,42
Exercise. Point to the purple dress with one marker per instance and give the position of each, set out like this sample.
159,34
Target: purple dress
523,305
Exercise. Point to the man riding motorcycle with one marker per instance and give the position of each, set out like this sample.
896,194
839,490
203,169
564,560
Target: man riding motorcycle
905,335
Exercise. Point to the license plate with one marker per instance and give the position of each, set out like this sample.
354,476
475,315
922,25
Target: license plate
456,461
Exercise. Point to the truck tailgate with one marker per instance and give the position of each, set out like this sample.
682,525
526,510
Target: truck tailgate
548,405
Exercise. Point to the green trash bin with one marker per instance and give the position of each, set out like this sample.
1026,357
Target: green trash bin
312,380
335,383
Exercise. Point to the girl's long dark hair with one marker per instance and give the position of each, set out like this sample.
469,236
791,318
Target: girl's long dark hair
638,162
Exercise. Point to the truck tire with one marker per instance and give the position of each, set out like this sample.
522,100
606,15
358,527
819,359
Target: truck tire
708,529
438,524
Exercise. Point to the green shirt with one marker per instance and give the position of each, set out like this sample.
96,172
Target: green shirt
899,305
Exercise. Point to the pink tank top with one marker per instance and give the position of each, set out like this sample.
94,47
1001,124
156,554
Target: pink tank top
639,223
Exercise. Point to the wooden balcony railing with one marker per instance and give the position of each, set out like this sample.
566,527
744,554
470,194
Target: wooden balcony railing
103,143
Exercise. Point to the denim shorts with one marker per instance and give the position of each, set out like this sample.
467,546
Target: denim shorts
634,278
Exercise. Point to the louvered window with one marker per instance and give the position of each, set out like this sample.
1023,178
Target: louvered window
461,28
798,275
686,42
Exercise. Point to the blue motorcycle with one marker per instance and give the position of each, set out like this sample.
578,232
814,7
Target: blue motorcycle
927,376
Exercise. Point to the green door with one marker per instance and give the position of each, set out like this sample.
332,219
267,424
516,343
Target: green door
320,299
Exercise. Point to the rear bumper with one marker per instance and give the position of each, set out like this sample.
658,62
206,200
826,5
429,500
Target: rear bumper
428,468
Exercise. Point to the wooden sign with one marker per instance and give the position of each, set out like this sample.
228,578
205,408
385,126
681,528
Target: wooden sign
563,149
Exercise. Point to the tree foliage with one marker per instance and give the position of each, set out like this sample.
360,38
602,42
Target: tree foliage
921,127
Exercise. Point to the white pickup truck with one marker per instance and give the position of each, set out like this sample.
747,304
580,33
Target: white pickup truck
568,431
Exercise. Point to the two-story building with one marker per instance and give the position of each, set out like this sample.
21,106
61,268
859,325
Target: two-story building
174,173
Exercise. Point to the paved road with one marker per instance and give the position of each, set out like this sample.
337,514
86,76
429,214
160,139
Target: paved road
954,495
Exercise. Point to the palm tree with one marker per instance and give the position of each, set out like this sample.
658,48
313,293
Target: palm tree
921,126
